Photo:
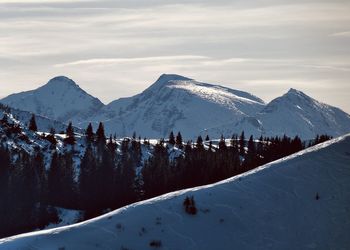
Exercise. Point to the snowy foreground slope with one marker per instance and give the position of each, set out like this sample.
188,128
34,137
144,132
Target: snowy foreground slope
300,202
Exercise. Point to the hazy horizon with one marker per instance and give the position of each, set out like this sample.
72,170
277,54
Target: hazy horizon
116,49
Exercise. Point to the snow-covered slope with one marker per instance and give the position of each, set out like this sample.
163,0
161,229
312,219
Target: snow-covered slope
292,114
30,141
60,99
43,123
300,202
177,103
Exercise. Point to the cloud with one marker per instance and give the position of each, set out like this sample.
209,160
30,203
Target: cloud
341,34
40,1
125,45
103,61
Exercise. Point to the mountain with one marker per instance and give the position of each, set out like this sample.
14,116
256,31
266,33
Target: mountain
176,103
294,113
60,99
299,202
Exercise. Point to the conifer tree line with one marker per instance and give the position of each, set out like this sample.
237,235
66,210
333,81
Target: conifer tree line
106,177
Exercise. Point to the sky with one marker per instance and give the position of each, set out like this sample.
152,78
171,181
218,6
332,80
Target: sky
114,48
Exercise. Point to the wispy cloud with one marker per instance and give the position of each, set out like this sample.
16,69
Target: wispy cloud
41,1
96,61
342,34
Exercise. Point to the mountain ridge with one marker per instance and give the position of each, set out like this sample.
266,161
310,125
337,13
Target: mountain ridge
178,103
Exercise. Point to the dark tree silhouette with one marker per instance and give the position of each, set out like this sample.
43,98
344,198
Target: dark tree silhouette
100,133
171,138
70,139
32,124
178,140
89,133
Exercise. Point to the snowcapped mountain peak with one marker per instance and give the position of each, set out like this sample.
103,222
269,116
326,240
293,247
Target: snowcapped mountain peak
293,99
177,103
172,77
60,81
297,93
166,80
294,91
60,99
296,113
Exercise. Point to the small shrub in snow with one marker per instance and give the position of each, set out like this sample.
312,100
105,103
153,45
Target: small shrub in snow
190,205
317,197
142,231
205,210
155,243
120,227
158,221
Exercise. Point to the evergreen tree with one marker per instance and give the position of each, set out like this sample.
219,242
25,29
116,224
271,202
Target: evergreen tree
250,160
89,133
105,180
178,140
32,124
242,143
87,182
156,172
39,168
207,138
130,160
6,213
53,179
111,145
199,142
61,183
100,133
222,143
4,119
68,185
171,138
51,138
70,139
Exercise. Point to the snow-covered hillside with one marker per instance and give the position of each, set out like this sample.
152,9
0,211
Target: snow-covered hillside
292,114
31,142
177,103
43,123
300,202
60,99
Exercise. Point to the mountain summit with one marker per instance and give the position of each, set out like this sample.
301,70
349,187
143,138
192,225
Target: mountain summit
177,103
293,113
61,81
61,99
